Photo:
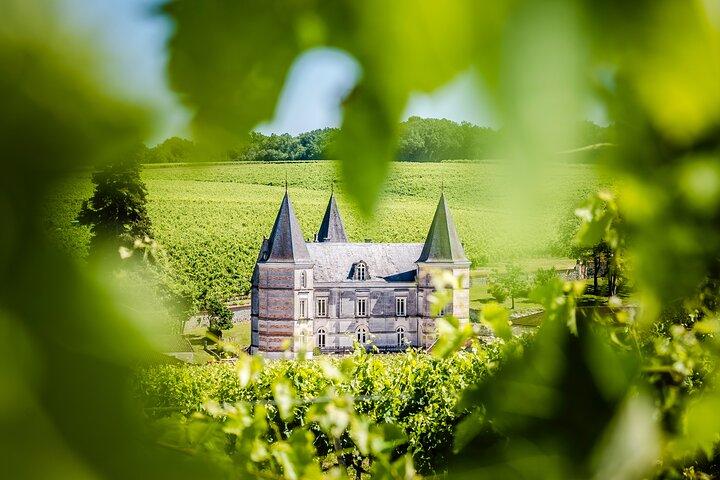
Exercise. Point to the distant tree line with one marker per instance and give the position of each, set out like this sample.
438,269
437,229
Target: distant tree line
421,140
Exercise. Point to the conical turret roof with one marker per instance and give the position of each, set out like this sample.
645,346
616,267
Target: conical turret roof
332,228
286,242
442,243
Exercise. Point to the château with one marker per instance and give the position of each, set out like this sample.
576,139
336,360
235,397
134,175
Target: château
324,295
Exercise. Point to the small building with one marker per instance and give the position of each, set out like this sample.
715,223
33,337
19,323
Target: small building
330,293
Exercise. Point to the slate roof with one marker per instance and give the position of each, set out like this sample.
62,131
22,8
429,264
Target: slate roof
389,262
286,242
442,243
332,228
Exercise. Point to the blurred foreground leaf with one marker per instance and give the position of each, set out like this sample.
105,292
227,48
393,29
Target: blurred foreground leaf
66,411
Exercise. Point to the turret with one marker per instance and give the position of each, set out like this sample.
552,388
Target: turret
332,228
282,290
442,252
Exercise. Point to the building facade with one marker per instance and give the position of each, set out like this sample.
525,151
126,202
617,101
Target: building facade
330,293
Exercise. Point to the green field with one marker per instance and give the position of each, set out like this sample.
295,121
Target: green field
211,218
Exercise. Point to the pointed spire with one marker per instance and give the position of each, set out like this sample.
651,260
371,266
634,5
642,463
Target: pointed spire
286,242
442,243
332,228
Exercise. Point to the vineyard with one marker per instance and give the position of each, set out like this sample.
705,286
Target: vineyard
210,219
415,391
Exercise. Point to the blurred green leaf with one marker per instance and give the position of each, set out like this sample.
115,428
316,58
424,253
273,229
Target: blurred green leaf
284,399
497,318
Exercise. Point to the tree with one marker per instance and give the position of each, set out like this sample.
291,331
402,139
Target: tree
116,212
510,283
432,139
543,276
219,315
172,150
498,291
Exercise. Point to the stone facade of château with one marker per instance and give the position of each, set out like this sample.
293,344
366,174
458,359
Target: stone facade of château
330,293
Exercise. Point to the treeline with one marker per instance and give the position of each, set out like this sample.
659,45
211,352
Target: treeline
421,140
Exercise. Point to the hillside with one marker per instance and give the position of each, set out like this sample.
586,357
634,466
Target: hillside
211,218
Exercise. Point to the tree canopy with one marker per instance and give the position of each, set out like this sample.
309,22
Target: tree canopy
420,140
116,212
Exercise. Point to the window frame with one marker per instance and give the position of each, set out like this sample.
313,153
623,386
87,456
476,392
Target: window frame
303,279
400,332
401,301
321,338
302,309
361,334
321,311
364,302
361,271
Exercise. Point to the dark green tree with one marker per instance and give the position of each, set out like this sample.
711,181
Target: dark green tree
116,213
219,315
172,150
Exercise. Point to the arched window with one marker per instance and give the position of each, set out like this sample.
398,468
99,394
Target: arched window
360,271
400,331
362,335
303,340
321,338
303,279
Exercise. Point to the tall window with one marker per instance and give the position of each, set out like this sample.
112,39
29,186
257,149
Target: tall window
361,307
362,334
360,271
321,310
321,338
303,308
400,331
303,279
400,306
303,340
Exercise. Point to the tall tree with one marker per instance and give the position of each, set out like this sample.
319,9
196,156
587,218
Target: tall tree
116,212
511,283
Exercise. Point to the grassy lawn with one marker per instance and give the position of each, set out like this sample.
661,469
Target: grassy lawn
238,335
479,282
479,296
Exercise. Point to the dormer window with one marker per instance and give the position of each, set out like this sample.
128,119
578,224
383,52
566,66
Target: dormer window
360,271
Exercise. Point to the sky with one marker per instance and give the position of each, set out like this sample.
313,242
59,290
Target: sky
132,40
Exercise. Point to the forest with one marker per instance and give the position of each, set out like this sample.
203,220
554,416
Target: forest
421,140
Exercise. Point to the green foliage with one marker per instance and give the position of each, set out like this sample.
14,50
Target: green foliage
313,145
551,398
172,150
544,276
272,427
420,139
497,318
511,282
498,291
432,140
116,213
219,315
72,339
413,391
